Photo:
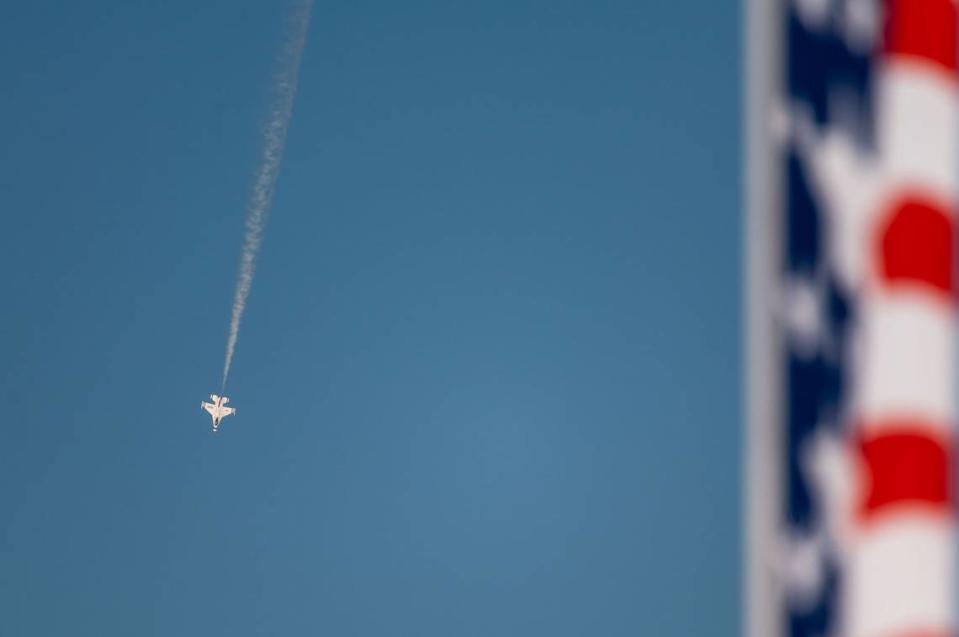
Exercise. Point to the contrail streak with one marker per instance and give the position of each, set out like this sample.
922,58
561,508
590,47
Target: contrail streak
274,137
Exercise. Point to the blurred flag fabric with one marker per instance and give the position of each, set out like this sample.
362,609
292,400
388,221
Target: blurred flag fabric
851,184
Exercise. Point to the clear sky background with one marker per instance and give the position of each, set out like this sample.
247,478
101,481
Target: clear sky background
488,382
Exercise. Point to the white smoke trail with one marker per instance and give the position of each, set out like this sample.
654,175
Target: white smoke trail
274,137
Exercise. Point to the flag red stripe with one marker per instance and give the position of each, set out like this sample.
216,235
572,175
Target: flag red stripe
923,29
916,245
905,465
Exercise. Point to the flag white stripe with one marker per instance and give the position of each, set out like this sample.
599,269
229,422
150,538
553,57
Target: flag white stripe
906,359
917,128
901,578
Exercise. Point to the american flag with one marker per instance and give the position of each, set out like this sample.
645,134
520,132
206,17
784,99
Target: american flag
853,175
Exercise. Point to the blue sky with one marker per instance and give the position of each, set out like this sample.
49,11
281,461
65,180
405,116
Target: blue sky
488,382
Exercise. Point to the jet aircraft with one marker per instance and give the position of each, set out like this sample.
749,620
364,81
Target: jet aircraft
218,409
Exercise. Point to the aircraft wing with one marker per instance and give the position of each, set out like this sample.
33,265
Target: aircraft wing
208,408
226,411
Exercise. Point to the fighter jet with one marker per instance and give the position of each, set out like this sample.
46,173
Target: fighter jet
218,409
